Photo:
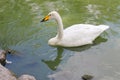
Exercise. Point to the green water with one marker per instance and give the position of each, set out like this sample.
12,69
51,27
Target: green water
21,31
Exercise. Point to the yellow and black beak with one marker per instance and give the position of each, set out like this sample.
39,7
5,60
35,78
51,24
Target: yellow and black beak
46,18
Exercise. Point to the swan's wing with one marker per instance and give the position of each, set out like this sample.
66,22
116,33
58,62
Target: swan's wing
82,34
85,27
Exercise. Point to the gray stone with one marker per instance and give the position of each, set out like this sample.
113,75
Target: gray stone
5,74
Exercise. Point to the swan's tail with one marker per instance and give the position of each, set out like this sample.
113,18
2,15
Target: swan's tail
103,27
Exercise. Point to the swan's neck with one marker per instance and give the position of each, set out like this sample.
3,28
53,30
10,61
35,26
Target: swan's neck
60,26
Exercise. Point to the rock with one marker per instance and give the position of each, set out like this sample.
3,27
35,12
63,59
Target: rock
5,74
3,57
87,77
26,77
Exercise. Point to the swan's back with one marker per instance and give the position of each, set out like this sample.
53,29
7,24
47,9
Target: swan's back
81,34
86,27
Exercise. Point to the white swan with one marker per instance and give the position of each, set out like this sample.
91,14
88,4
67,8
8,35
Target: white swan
75,35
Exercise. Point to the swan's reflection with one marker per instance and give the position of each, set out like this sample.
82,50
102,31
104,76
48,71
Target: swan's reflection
52,64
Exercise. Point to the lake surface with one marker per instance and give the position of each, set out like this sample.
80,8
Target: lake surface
22,32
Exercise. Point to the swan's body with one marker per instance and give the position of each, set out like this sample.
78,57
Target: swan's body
75,35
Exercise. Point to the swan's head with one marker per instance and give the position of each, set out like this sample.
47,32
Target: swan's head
51,15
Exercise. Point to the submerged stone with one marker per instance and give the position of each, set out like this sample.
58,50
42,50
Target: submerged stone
87,77
26,77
